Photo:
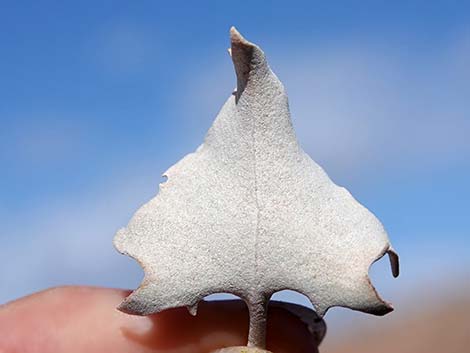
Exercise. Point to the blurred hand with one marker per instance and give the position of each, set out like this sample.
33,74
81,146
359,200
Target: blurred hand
85,319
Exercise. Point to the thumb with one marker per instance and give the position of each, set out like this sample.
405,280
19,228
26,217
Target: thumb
85,319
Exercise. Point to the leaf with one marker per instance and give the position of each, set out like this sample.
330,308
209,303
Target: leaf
250,213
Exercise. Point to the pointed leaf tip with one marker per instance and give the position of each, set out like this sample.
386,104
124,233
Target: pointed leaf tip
246,57
385,309
237,39
394,262
192,309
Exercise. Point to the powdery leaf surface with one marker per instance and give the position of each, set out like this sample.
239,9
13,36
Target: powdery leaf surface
250,213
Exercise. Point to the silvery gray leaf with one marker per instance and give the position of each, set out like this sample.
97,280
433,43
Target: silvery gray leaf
250,213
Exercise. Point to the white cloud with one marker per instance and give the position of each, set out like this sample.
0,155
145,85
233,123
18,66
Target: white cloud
43,139
124,48
71,242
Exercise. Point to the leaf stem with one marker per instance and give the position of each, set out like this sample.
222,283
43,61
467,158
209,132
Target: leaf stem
258,311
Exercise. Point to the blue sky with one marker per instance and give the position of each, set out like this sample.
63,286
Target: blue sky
98,100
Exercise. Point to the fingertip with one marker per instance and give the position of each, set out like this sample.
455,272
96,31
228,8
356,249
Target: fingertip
79,319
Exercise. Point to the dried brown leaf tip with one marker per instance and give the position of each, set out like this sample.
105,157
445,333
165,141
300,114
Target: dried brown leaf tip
250,213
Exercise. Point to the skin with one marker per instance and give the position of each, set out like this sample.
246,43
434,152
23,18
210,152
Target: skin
85,319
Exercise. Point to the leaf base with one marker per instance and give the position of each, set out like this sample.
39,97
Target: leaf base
241,349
